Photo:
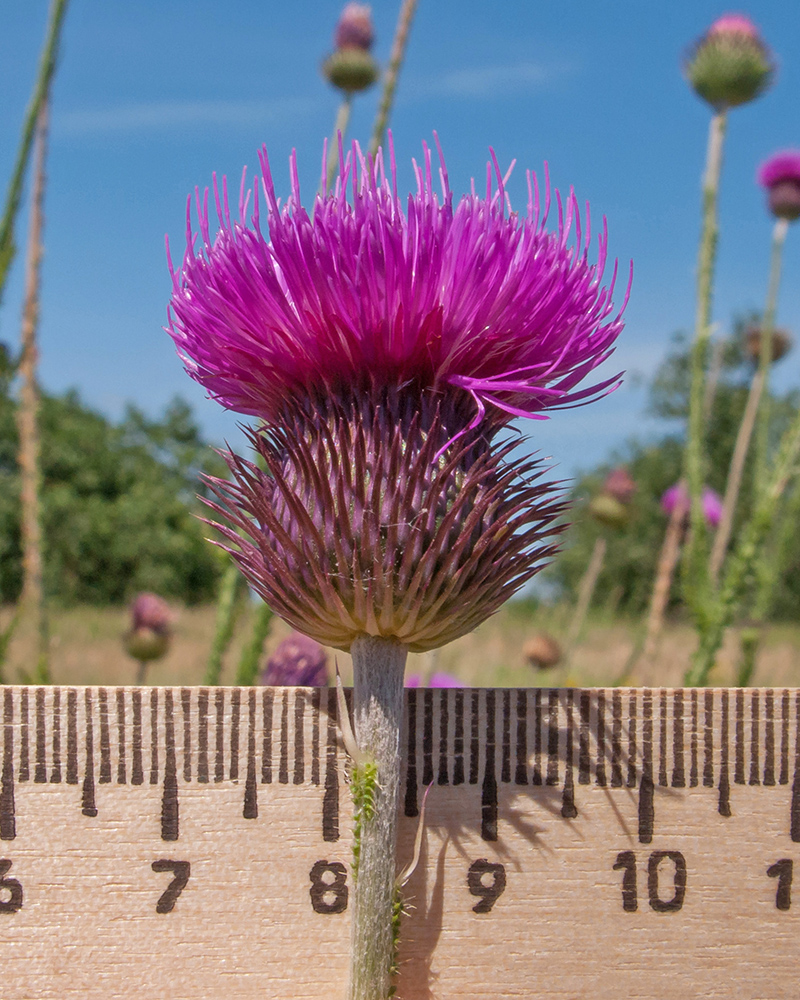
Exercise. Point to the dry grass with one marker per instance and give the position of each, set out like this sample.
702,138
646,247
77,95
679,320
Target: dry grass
86,649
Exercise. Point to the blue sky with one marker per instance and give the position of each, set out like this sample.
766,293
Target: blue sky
151,97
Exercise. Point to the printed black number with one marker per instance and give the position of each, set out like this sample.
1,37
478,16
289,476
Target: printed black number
782,871
490,893
328,890
626,863
12,885
679,879
181,871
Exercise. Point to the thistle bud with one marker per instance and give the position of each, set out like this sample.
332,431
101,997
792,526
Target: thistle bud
620,485
608,511
351,67
730,65
151,628
780,175
297,662
781,343
710,499
542,651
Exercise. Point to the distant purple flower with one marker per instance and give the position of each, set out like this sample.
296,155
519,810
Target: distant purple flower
730,65
711,500
780,175
297,662
437,680
470,298
620,484
386,351
151,611
354,29
734,24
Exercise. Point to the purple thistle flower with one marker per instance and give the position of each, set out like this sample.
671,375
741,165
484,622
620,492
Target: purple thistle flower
780,175
354,28
386,354
470,297
151,629
297,662
711,501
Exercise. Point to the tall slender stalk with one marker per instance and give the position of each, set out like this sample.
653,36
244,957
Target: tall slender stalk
250,659
741,564
756,408
339,126
32,601
695,561
402,30
41,89
228,606
665,570
585,591
378,666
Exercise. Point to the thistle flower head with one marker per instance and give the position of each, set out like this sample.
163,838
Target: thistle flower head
297,662
730,65
151,628
710,499
354,28
781,343
609,511
542,651
780,175
620,485
469,298
386,351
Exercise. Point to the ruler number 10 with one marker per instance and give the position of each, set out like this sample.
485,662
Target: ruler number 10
626,863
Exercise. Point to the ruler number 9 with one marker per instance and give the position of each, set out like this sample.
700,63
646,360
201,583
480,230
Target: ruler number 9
491,892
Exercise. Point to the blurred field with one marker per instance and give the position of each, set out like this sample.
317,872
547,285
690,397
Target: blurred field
86,649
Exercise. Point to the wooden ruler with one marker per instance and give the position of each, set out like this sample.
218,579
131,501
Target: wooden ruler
193,843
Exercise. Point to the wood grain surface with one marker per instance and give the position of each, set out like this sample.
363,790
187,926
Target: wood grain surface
193,843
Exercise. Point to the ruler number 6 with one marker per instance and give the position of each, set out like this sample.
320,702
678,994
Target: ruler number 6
11,885
181,871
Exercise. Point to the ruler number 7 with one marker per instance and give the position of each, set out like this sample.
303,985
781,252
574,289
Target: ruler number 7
181,871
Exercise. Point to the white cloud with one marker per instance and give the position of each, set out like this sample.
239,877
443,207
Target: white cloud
488,81
159,115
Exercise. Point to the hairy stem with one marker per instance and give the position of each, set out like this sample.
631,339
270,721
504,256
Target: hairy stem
741,565
228,607
757,408
695,566
339,126
667,561
378,666
404,20
32,602
250,659
47,67
585,591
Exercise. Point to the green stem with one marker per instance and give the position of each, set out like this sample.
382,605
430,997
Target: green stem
340,125
761,444
695,567
586,590
47,66
740,566
404,20
250,660
228,607
378,666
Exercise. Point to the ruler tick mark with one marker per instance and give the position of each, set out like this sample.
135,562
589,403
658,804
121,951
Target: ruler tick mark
646,788
552,738
137,771
442,777
186,707
169,801
72,737
40,771
24,766
202,736
521,775
299,742
250,807
122,776
88,804
283,767
724,806
505,770
105,743
738,774
8,828
754,710
219,738
458,739
693,773
769,739
600,761
785,711
411,808
266,749
489,789
794,824
568,809
427,737
330,799
536,778
55,774
616,739
678,775
236,700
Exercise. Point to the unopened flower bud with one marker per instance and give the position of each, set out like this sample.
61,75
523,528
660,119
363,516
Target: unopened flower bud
354,29
297,662
730,65
710,499
608,511
151,628
620,485
780,175
542,651
781,343
351,69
